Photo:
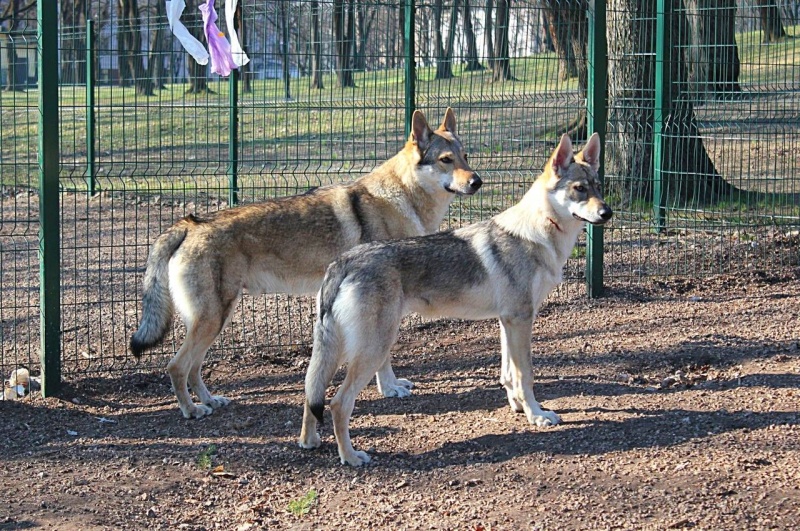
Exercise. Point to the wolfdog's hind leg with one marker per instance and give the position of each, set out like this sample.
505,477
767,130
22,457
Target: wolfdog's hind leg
359,373
185,368
213,326
309,437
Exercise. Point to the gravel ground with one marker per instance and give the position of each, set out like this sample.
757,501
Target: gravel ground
680,401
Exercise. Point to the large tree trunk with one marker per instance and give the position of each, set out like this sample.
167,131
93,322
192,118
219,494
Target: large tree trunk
771,24
316,48
343,24
689,173
630,29
130,48
501,68
713,57
473,63
540,33
579,38
557,14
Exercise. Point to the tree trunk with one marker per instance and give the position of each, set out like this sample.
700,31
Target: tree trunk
423,40
244,70
558,15
713,57
501,68
487,32
391,43
366,17
285,71
399,43
12,12
690,175
130,47
771,24
73,45
343,35
444,54
451,35
198,74
579,38
316,48
472,60
155,61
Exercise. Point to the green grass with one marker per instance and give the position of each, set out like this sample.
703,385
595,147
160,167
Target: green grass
204,460
302,506
141,140
178,142
774,64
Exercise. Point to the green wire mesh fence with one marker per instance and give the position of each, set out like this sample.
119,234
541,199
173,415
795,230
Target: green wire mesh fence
702,139
699,114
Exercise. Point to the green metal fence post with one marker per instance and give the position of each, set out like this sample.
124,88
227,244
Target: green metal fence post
596,121
663,104
49,241
233,139
91,177
410,63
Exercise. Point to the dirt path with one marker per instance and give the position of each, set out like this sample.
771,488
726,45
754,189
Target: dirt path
680,401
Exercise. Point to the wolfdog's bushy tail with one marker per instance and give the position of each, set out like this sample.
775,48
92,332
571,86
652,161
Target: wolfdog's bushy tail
157,308
327,343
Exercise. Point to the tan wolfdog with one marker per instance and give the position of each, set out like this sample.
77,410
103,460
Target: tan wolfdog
502,267
203,263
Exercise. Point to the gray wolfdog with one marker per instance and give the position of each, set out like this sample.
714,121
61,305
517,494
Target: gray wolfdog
502,267
202,264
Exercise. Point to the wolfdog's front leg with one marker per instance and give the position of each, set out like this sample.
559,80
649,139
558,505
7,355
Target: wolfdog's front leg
517,373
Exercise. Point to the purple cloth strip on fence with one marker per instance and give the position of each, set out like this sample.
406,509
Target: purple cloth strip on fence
222,62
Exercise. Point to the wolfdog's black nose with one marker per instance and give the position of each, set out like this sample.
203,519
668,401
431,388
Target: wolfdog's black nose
605,213
475,182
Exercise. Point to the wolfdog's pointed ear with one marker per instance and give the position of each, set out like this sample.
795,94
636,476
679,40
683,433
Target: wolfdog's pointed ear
591,152
420,131
449,122
562,156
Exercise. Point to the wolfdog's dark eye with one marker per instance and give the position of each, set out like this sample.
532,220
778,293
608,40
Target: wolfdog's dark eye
446,160
580,188
466,157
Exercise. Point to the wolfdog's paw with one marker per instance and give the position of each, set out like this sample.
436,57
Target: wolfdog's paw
400,388
217,401
309,442
356,458
545,419
197,411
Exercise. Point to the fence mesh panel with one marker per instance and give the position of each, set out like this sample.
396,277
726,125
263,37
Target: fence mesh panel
728,175
701,144
19,206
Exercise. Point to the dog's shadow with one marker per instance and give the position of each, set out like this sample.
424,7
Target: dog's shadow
659,429
638,427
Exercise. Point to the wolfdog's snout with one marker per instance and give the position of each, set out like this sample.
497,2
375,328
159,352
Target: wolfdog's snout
475,182
605,212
